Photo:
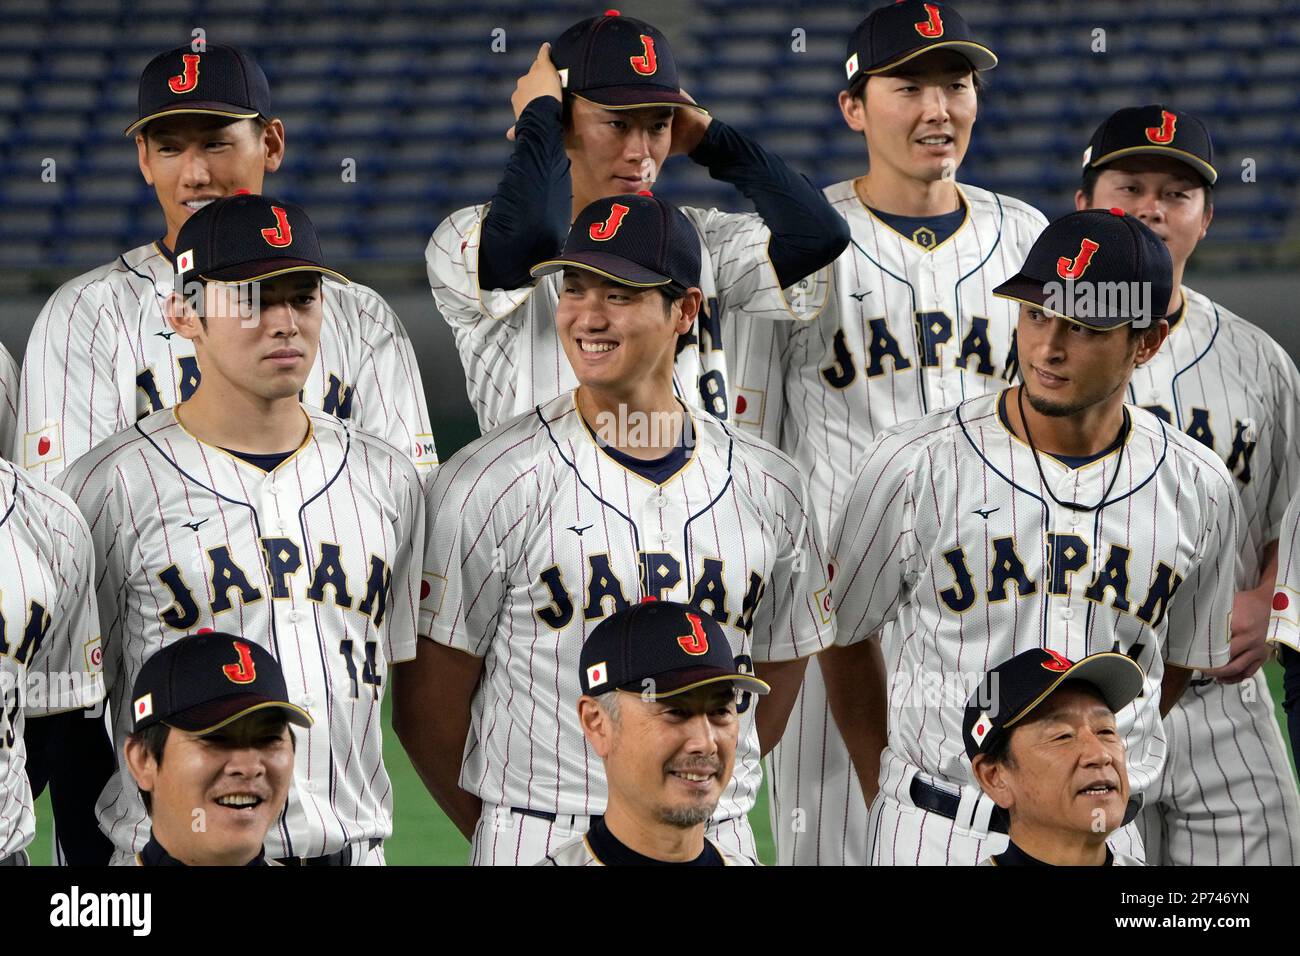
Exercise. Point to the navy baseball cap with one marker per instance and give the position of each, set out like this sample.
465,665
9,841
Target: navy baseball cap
204,682
1101,247
1010,692
220,80
619,63
243,238
677,646
1157,130
635,240
892,35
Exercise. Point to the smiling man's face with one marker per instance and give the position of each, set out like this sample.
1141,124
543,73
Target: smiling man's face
1066,770
1159,191
215,796
191,159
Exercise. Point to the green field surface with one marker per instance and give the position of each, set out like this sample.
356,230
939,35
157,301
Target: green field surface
423,836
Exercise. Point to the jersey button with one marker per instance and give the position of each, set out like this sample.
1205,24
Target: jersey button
308,700
1067,614
659,501
295,617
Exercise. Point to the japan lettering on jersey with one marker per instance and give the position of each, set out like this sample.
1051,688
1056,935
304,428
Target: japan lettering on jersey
509,347
950,532
317,561
538,534
1224,382
909,329
50,650
101,356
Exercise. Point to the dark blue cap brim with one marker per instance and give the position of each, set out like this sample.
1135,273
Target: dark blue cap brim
637,97
615,268
228,110
1027,291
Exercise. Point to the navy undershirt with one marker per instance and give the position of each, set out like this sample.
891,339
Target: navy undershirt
153,854
657,470
613,852
1014,856
908,226
1069,461
265,462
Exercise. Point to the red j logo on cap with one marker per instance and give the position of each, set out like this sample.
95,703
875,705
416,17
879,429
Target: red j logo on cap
188,78
933,27
645,64
1073,268
1057,662
602,231
282,234
1164,133
696,642
244,671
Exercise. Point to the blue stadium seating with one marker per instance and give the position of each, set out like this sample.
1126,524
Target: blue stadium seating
413,93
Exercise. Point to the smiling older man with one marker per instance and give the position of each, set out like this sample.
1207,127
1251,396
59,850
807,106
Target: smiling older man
659,706
1044,744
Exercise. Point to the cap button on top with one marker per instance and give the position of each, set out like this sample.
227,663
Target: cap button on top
644,192
1116,211
612,13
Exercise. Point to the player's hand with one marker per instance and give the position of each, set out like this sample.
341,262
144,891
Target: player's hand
688,128
1249,649
542,79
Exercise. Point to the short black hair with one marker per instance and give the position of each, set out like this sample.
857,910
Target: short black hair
858,88
1088,185
998,750
154,740
672,292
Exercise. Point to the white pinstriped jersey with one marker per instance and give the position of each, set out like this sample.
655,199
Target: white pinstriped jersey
1228,796
578,852
102,356
9,376
538,534
50,652
317,560
1227,384
509,347
908,329
1284,623
950,532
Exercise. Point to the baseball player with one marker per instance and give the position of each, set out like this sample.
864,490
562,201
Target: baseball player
1284,623
660,689
1044,744
50,671
597,115
596,499
1227,796
1050,515
217,707
102,355
240,509
912,326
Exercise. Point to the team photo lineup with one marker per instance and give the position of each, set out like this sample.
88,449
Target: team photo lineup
880,521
